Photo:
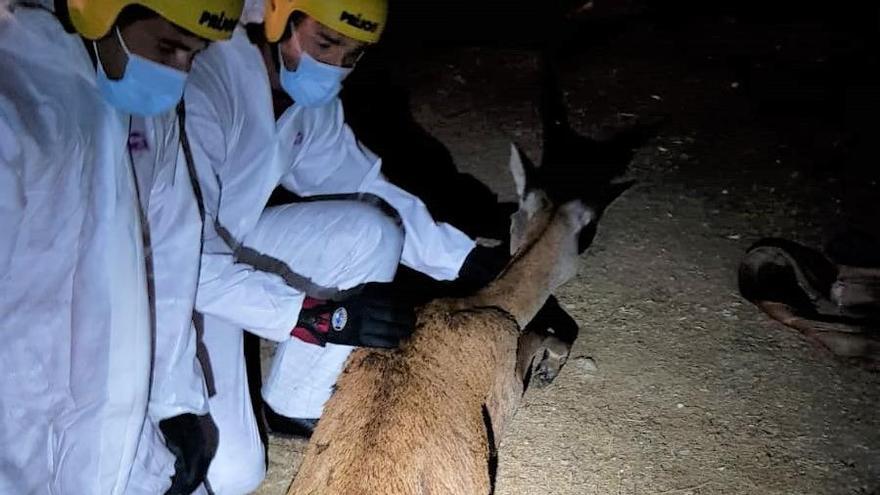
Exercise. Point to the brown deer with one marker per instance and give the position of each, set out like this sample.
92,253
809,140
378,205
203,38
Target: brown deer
427,418
828,297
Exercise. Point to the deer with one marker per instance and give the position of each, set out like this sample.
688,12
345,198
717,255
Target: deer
831,300
428,417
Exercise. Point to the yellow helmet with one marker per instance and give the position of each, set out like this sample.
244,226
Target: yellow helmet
210,19
363,20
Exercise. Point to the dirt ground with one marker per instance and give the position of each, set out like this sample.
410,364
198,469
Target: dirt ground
677,385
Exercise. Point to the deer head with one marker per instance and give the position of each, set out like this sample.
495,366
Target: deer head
560,202
563,230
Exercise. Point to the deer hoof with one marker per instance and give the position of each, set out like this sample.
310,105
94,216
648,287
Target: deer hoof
548,367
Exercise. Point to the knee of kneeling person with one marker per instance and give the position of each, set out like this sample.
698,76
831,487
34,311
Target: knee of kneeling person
374,235
237,471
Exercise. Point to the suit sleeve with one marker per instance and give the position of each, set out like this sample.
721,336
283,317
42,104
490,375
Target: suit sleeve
336,162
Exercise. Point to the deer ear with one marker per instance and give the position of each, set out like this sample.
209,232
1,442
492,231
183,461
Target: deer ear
522,170
586,217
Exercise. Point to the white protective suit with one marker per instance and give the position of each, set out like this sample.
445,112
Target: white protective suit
242,154
77,414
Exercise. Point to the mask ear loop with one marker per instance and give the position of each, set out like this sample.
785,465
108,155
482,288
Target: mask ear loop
121,43
281,57
296,40
358,59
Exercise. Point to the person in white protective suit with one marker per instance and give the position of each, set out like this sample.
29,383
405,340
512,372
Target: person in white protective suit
286,273
100,247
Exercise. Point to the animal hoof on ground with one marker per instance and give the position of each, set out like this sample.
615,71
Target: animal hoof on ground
552,360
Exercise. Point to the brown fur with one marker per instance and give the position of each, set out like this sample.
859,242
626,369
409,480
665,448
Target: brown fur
426,419
410,421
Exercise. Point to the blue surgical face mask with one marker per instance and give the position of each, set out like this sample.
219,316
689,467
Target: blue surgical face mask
313,83
146,87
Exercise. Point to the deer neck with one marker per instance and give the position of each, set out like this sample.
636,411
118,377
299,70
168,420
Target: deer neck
532,275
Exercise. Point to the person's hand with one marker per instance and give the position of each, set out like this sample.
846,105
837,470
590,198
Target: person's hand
482,265
363,321
193,441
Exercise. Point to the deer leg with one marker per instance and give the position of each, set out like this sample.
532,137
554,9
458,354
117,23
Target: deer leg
552,360
545,345
842,340
857,291
540,358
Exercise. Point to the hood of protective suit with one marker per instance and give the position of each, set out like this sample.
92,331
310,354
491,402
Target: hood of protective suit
253,11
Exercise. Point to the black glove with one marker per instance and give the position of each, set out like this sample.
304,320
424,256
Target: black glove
482,265
363,321
193,441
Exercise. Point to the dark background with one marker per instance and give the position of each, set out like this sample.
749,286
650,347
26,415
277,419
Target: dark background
805,72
